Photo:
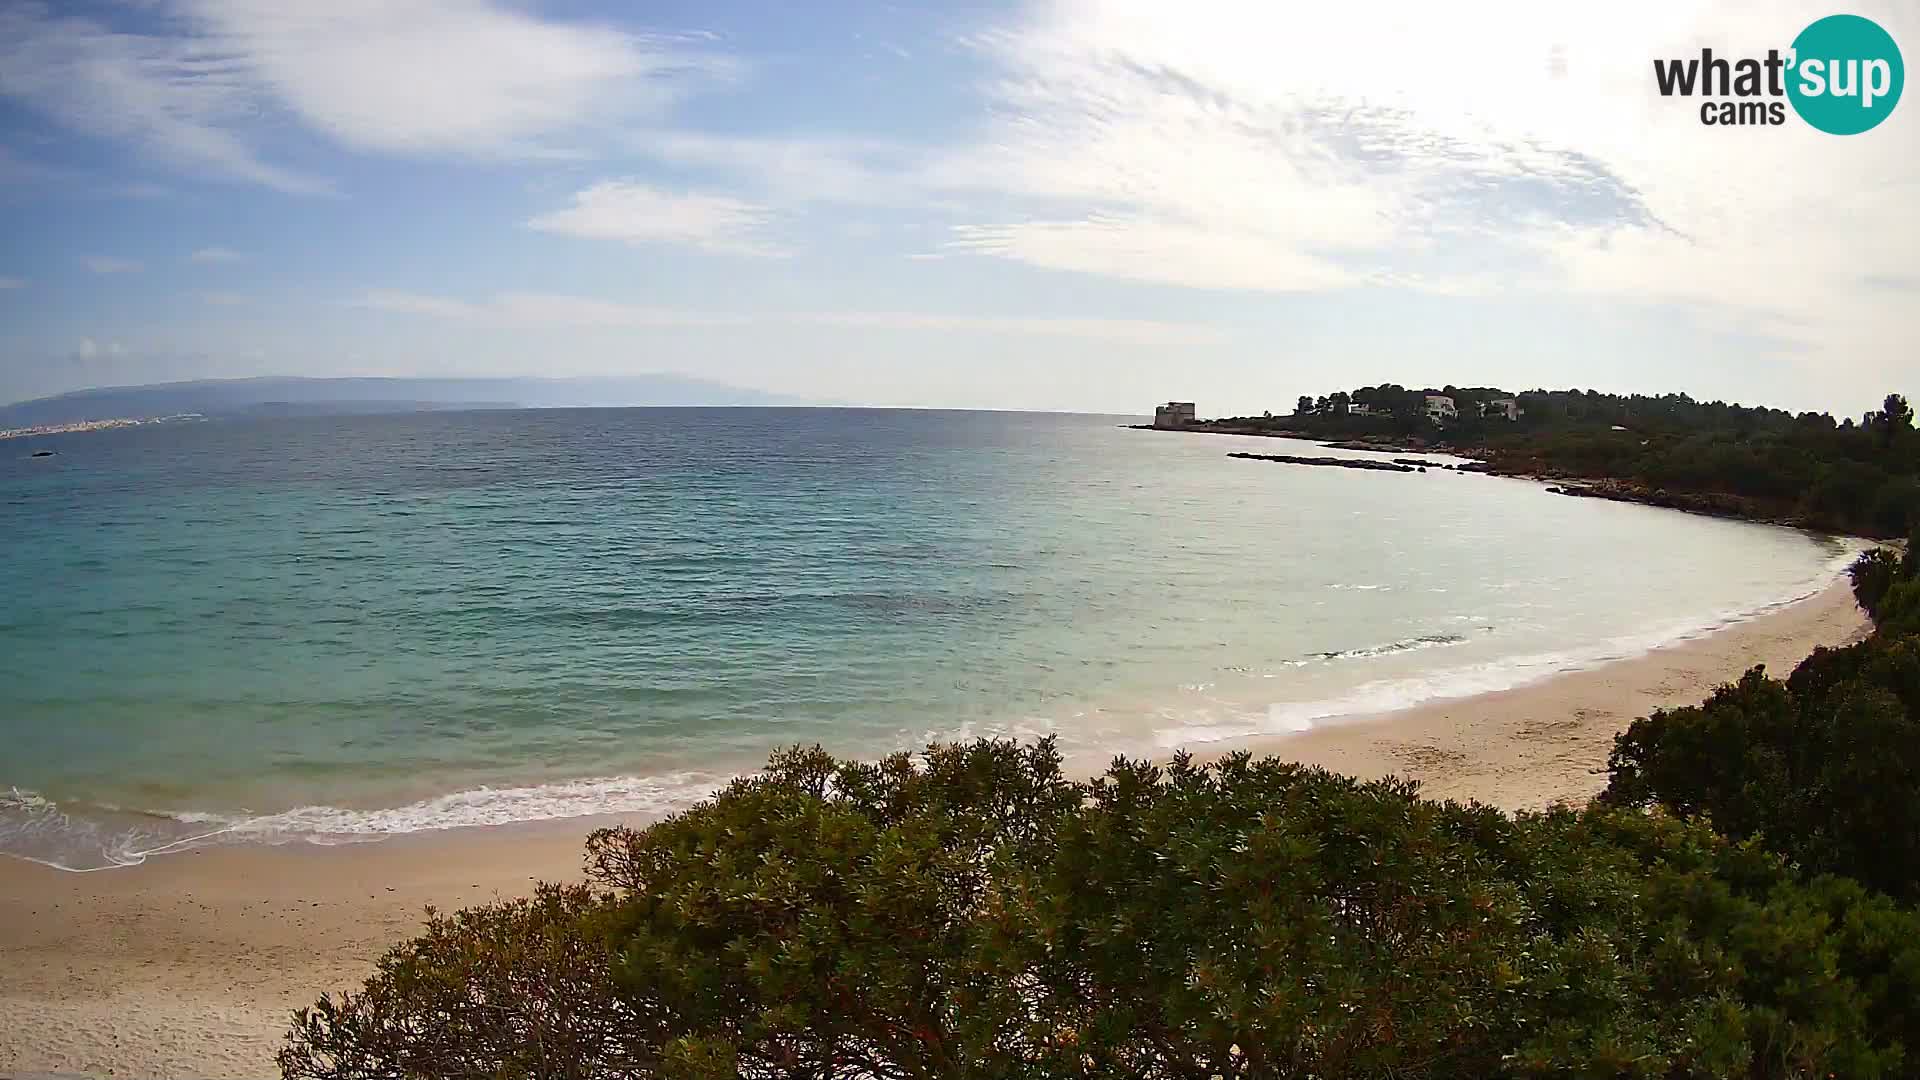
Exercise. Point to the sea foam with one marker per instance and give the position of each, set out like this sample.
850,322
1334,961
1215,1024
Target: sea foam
83,838
1393,695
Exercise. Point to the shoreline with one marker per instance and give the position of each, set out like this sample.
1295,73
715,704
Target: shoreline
191,964
1544,742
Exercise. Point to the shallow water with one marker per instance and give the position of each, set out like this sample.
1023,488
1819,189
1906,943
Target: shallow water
338,628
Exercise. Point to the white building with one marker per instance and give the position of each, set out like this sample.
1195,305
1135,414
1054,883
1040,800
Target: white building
1506,406
1440,407
1360,408
1174,414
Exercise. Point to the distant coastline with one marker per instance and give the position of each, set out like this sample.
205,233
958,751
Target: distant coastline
293,396
1807,470
92,425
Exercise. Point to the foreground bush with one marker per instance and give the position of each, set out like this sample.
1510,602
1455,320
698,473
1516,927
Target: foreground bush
1888,587
973,913
1824,767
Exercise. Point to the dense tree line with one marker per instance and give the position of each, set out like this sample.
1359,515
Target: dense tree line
1739,903
1842,476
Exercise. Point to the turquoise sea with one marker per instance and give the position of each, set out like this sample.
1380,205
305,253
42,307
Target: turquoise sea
337,629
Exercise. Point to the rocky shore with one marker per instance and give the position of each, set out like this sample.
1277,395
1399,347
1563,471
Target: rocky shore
1693,502
1338,463
1497,463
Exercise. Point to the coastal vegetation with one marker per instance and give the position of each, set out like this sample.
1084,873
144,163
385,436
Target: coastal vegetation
1860,477
1739,903
1823,766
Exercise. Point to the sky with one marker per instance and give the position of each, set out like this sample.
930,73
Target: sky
1073,204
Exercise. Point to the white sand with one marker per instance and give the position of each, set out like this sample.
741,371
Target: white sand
190,965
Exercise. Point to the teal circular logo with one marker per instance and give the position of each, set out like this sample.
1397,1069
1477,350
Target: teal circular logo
1846,74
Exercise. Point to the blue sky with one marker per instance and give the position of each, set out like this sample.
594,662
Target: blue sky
1075,204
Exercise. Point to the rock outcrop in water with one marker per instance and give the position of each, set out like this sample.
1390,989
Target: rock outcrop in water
1338,463
1396,465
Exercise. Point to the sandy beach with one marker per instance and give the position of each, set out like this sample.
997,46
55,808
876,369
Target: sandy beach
189,965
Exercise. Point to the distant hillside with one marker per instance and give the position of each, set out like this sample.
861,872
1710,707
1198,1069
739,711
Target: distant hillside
308,397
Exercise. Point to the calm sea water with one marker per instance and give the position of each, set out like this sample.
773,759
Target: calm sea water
344,628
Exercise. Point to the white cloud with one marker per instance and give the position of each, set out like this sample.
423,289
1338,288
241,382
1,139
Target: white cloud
526,309
205,82
796,168
89,349
109,264
407,303
13,283
1167,252
176,98
1512,148
215,255
466,76
1116,331
222,298
636,213
535,310
1217,146
544,309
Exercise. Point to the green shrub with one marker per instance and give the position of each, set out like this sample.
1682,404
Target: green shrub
1823,768
973,913
1873,574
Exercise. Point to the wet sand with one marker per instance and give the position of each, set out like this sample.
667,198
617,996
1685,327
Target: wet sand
191,964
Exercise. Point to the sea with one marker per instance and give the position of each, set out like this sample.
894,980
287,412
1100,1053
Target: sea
331,630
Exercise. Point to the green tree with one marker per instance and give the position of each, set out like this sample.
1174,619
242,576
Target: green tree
1819,767
971,913
1897,418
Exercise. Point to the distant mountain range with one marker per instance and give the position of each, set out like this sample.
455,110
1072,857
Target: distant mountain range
284,396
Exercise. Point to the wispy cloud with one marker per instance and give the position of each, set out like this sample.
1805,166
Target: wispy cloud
796,168
215,255
407,303
88,349
540,309
1226,146
203,83
109,264
1116,331
222,298
175,97
462,76
532,310
637,213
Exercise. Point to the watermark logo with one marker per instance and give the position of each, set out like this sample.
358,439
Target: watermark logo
1849,75
1843,75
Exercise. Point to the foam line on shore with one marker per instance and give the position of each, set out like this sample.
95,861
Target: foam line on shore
1390,696
40,830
